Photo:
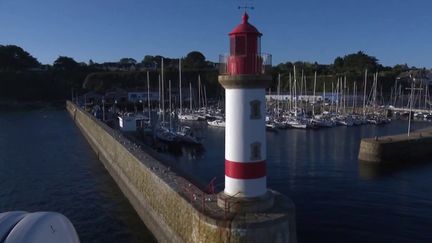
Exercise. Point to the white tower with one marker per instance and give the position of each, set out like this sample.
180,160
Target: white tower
243,77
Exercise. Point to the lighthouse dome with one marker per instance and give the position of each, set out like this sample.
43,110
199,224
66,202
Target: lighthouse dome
245,27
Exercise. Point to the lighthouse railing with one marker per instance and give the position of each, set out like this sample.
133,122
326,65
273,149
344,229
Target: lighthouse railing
245,64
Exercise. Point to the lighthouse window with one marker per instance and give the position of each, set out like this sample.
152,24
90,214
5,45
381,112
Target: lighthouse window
232,45
255,109
256,151
240,45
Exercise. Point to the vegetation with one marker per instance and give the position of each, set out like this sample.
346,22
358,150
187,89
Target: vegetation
23,77
351,66
15,58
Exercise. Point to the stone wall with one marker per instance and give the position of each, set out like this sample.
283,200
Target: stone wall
397,148
174,209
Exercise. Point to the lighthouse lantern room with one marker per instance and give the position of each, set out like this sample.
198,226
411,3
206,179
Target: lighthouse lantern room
245,49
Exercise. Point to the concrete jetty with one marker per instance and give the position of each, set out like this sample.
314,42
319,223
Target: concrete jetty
397,148
173,208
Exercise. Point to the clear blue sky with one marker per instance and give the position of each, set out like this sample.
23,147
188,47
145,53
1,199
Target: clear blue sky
395,31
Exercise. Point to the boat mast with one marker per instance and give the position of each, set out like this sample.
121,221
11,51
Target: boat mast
162,90
268,103
411,105
160,95
148,95
190,97
169,90
313,104
199,91
324,96
290,92
341,93
354,98
400,96
332,97
180,86
346,97
342,96
374,92
345,94
337,96
396,94
305,91
392,90
205,97
301,83
278,95
364,94
295,93
426,95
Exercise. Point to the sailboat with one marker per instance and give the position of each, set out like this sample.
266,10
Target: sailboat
185,116
190,116
296,121
162,132
319,120
183,133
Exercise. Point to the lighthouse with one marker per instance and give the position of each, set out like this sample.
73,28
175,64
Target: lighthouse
244,79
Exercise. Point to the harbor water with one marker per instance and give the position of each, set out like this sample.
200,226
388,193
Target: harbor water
46,164
337,198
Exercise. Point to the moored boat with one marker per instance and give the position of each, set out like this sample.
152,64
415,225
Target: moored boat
216,123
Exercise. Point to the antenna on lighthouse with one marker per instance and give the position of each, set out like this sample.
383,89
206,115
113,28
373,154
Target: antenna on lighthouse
246,7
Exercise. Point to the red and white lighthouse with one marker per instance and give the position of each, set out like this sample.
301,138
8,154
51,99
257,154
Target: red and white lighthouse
244,79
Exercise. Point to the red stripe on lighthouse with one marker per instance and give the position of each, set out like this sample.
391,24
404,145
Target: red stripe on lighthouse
251,170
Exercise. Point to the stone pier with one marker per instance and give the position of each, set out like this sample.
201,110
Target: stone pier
173,208
397,148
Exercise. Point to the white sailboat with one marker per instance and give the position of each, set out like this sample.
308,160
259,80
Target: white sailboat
190,116
216,123
163,133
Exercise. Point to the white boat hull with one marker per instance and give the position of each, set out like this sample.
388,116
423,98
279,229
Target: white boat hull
46,227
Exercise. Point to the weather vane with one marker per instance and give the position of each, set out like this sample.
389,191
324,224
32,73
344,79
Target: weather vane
246,7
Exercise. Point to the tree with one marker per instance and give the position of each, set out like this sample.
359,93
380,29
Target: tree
128,60
356,63
400,68
65,63
194,60
147,59
150,61
338,63
14,57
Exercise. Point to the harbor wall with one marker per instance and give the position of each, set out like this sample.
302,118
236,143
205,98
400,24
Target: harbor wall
174,209
397,148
